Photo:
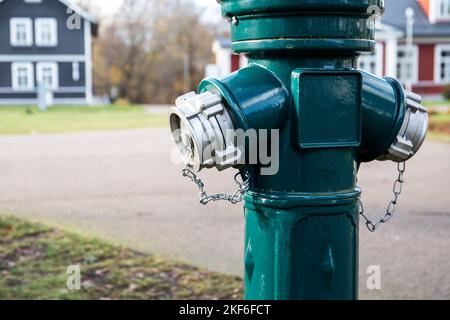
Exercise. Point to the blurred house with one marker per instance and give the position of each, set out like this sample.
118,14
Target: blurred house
45,43
225,60
430,69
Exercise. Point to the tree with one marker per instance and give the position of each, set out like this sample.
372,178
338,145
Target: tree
153,50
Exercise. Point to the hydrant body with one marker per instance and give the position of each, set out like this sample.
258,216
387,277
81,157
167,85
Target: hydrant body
302,221
301,229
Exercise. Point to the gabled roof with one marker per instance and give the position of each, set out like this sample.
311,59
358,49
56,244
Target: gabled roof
394,16
77,9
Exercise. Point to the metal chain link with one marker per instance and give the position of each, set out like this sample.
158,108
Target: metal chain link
390,211
243,187
205,198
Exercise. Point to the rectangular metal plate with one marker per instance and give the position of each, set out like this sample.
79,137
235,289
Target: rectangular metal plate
328,108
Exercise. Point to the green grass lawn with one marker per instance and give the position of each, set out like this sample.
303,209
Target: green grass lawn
440,118
432,104
34,261
439,127
63,119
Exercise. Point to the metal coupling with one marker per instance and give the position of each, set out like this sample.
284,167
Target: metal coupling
412,133
204,132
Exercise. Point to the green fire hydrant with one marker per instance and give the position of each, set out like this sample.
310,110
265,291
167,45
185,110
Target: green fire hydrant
302,101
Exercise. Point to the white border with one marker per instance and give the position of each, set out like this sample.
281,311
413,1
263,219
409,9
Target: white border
440,17
59,90
378,53
415,61
88,61
13,32
14,76
28,101
53,23
433,11
390,58
76,71
55,73
41,58
437,62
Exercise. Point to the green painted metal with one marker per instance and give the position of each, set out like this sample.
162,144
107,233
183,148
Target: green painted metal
256,97
306,24
327,108
302,223
384,104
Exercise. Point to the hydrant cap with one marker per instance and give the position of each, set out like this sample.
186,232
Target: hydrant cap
182,136
346,25
202,130
239,7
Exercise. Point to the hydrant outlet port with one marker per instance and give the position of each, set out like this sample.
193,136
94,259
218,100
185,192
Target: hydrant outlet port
412,133
395,122
182,138
203,131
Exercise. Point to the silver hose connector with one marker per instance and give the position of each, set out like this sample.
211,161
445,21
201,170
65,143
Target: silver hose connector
203,131
412,133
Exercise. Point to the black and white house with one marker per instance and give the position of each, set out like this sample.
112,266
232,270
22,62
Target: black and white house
45,42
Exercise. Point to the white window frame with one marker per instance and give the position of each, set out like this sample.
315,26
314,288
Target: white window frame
54,70
15,66
13,23
438,61
443,14
38,26
404,60
373,57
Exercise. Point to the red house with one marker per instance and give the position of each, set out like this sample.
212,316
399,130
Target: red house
429,67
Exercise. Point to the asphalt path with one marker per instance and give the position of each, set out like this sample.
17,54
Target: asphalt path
124,186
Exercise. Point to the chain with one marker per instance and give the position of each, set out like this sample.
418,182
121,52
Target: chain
397,190
243,187
205,198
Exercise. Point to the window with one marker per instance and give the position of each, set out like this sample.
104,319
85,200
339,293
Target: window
373,62
46,32
76,71
22,76
47,74
21,32
444,9
443,64
407,64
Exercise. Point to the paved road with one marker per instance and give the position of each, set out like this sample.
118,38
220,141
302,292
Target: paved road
123,186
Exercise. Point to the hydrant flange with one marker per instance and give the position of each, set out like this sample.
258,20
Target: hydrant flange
412,133
203,131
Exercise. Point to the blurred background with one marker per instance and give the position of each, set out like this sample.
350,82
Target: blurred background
90,176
